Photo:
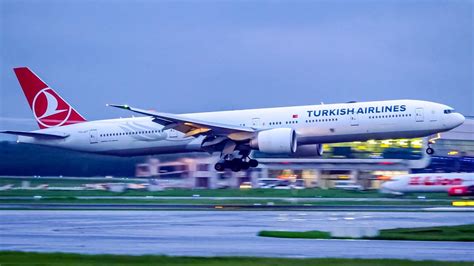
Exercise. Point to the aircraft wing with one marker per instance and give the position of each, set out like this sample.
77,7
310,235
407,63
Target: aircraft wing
33,134
191,126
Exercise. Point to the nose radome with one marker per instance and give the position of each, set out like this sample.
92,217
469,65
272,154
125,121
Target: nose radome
453,120
388,186
459,119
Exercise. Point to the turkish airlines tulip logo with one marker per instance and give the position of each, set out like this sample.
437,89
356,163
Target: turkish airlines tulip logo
49,109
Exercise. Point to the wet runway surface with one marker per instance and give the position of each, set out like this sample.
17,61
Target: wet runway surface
223,233
189,207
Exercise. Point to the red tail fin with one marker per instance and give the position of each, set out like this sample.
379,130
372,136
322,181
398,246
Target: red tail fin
49,109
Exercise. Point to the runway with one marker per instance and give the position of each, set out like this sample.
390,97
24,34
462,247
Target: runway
256,207
226,233
302,199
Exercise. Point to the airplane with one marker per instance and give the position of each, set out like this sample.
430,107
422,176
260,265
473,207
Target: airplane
234,134
432,182
461,191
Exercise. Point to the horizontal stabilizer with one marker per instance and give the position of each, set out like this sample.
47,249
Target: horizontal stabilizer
55,135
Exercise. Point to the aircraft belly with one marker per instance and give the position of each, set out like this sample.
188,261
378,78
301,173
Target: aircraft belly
321,136
158,147
414,189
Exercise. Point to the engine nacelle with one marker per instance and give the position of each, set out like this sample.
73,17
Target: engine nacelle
309,150
278,140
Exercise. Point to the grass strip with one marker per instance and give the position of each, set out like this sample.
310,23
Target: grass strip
301,193
298,193
29,258
438,233
292,234
198,201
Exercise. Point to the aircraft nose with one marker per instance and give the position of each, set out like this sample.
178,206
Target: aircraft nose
387,187
459,118
454,120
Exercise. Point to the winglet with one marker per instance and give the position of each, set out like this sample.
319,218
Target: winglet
120,106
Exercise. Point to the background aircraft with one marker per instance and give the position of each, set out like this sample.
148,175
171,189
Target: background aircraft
433,182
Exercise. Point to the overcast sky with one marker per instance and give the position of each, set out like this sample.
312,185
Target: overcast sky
193,56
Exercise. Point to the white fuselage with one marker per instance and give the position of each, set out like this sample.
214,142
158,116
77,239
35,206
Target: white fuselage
314,124
433,182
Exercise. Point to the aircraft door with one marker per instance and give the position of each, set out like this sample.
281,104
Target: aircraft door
256,122
433,116
172,133
419,116
354,120
93,136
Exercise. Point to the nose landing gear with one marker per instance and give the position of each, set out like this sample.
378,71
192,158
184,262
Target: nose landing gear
431,141
429,151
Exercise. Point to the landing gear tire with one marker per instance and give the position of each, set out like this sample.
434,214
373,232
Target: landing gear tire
429,151
236,165
245,165
253,163
219,167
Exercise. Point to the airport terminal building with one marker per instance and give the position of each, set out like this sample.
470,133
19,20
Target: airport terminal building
358,165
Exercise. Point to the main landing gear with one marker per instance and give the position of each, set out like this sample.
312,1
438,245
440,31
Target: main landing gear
235,164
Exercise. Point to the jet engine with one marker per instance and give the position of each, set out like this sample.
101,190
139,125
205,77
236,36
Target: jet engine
309,150
278,140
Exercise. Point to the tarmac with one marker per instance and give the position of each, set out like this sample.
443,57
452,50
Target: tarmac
255,207
223,233
291,199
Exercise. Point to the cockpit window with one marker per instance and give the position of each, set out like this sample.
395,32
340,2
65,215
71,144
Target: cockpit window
448,111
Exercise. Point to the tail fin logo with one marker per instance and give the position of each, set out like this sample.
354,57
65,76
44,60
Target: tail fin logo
49,109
